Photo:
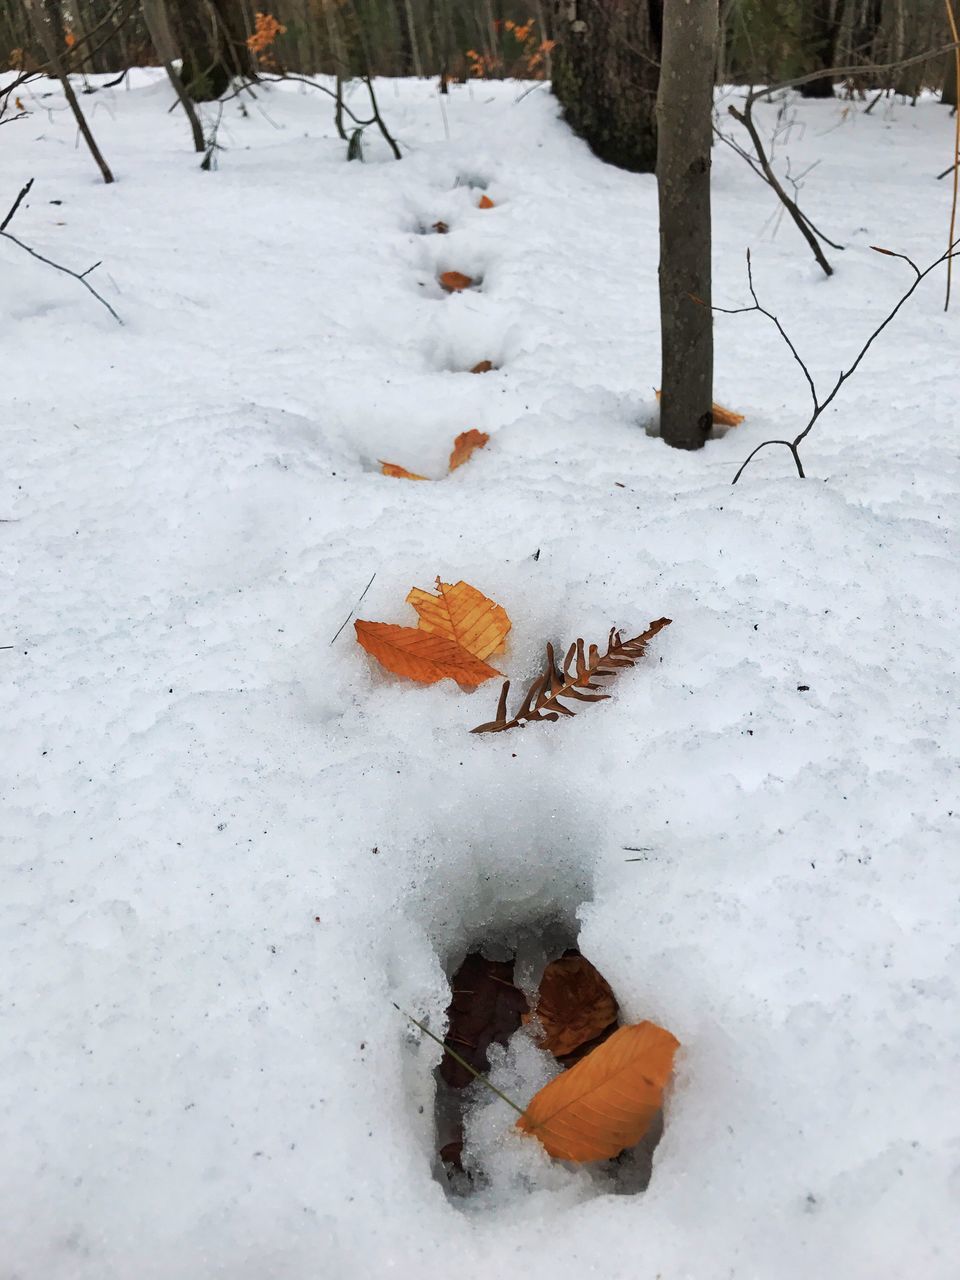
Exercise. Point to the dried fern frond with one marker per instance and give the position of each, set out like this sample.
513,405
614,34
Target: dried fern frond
581,667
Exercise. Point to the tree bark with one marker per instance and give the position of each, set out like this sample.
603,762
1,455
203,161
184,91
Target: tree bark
948,95
45,34
606,68
820,26
212,38
684,121
158,24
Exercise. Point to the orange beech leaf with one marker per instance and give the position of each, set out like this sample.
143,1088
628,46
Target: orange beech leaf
464,445
574,1005
483,367
485,203
392,469
721,417
608,1100
463,615
454,281
725,417
421,655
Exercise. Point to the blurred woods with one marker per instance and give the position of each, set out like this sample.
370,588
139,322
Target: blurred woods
760,40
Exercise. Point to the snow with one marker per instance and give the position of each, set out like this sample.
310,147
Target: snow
231,844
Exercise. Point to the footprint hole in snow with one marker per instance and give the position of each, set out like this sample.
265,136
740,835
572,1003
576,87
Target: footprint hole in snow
481,1160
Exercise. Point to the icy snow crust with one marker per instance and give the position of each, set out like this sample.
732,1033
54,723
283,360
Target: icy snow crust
231,844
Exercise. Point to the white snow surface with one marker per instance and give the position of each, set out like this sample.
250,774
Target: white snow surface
231,842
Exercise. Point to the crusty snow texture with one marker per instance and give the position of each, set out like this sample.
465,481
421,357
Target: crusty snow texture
231,844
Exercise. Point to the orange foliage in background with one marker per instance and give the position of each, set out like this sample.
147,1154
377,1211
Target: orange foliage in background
523,55
267,30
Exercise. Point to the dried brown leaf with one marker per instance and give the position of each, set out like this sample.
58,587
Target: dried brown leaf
401,473
574,1004
580,669
454,281
464,446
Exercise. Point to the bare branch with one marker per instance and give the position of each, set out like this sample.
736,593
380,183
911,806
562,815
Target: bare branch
16,205
77,275
839,73
803,225
820,405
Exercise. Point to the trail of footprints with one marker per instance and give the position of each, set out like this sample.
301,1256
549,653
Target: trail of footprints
515,917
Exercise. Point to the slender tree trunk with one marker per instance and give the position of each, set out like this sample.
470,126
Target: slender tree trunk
156,18
820,26
212,38
606,67
949,94
684,123
45,34
412,36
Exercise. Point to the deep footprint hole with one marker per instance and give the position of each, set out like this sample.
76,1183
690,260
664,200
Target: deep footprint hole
494,982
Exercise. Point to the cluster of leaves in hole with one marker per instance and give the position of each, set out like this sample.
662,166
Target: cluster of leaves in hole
611,1088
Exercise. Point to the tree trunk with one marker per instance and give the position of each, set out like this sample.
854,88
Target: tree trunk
605,73
158,24
211,37
38,10
684,121
949,95
820,26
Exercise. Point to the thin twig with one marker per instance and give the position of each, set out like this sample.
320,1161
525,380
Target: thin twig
819,406
355,607
16,205
77,275
839,73
462,1061
745,118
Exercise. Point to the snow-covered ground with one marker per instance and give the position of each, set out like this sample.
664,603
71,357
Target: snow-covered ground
231,844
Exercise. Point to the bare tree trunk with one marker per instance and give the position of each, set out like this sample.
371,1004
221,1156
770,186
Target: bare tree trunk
158,24
684,125
949,94
45,34
820,26
212,38
605,71
414,44
335,39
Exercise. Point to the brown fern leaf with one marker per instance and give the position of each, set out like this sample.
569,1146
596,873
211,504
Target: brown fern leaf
576,681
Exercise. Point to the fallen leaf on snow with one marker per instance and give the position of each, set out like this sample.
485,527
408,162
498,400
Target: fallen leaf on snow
421,655
605,1103
392,469
464,445
574,1005
454,281
483,367
721,417
440,228
459,627
485,203
464,615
